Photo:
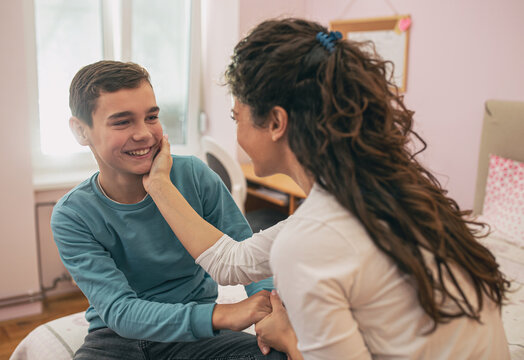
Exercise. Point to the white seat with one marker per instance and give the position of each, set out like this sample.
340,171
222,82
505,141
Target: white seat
229,170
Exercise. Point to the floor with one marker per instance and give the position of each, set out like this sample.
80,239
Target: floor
13,331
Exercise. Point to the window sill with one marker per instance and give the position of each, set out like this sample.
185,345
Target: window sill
58,181
52,178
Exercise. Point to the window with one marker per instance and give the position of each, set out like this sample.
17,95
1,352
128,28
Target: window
156,34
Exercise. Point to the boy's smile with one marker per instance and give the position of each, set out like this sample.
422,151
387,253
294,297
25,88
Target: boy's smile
126,133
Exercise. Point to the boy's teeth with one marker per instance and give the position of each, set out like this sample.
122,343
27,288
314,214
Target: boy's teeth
139,152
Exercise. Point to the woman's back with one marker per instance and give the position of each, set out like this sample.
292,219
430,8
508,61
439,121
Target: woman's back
325,263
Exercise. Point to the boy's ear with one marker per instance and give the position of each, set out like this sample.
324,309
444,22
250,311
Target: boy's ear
78,128
278,122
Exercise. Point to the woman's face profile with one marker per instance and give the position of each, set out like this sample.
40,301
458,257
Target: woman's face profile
255,140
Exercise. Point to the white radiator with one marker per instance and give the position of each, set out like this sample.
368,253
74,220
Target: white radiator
54,277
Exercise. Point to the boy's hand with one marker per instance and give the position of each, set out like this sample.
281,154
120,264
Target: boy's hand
161,166
243,314
276,331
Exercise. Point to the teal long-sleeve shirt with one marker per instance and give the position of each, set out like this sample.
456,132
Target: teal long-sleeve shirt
139,279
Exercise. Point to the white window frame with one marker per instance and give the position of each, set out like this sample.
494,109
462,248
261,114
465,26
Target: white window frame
52,172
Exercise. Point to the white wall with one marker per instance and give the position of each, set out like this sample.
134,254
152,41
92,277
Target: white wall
18,263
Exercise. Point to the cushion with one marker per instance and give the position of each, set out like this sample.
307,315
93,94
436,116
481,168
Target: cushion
504,201
55,340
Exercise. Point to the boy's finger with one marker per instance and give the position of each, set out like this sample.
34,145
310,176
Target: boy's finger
263,347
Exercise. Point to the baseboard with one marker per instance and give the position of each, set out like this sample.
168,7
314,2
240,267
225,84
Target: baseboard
20,310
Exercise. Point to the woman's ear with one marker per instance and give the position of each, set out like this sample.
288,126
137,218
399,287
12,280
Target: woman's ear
78,127
278,121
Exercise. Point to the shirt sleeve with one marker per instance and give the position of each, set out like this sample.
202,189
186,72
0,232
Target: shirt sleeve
221,211
315,279
230,262
110,294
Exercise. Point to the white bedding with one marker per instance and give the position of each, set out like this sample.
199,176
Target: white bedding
511,259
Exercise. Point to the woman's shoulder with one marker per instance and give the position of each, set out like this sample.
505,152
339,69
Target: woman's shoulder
322,214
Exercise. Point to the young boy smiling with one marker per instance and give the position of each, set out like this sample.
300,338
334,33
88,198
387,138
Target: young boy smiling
148,298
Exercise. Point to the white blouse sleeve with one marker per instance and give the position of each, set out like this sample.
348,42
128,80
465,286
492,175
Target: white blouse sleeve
231,262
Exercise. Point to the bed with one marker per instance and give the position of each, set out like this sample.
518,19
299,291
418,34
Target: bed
499,197
502,136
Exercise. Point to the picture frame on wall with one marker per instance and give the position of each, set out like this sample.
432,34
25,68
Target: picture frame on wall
390,35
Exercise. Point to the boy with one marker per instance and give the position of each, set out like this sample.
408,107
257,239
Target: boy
148,299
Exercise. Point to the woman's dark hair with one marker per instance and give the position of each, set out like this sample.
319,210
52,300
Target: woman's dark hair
350,130
105,75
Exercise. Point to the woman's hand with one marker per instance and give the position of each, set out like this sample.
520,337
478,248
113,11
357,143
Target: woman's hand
161,166
195,233
276,331
243,314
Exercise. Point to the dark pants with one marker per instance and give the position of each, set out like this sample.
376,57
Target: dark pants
105,344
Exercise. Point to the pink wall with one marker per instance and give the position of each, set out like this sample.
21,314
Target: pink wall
219,36
18,264
461,54
253,12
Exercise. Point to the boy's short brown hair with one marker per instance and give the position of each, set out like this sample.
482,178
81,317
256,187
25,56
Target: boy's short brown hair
107,76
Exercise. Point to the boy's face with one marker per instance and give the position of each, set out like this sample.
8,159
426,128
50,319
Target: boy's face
126,132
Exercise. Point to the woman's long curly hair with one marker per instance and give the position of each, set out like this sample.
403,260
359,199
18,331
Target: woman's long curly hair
351,131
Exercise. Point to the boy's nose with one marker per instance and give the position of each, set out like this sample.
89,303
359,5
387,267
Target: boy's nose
141,132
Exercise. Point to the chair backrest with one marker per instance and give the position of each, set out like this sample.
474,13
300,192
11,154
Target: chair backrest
502,135
229,170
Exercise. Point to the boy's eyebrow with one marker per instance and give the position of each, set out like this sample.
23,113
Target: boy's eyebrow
120,115
130,113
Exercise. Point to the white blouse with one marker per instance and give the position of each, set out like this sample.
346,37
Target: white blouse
345,298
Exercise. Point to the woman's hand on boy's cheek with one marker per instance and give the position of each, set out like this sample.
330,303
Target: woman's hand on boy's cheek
161,166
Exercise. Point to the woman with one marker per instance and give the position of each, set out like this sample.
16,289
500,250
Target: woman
377,262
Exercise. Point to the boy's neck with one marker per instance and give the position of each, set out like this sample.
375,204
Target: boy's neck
123,190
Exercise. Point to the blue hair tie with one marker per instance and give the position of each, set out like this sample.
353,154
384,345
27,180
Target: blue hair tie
329,40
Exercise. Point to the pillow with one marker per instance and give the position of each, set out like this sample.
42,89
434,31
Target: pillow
504,200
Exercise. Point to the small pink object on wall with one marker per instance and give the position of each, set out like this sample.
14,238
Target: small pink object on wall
404,24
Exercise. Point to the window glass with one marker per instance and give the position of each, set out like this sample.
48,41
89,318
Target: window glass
68,36
160,42
72,33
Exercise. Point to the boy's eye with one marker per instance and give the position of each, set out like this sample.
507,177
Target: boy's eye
120,123
152,117
232,116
